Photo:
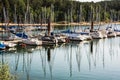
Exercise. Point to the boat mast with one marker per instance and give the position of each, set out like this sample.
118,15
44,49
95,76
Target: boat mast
91,30
49,25
2,22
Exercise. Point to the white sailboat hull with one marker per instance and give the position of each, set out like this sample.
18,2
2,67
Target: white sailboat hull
111,34
96,35
76,37
117,33
9,44
33,42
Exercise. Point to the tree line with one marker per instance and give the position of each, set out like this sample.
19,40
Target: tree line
38,11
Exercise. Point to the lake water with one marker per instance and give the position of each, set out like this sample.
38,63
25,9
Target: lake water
87,60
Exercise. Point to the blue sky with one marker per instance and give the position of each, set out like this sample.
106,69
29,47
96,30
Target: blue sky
89,0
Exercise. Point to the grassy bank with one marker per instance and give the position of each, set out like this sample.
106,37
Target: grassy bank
60,24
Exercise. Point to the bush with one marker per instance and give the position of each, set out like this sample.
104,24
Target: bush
5,72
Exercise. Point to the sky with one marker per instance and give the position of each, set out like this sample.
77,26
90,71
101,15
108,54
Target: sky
89,0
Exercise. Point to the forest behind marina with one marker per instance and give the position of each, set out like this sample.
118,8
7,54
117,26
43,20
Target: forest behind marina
61,11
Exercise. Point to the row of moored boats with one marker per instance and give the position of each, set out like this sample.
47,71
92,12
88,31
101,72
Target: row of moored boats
62,37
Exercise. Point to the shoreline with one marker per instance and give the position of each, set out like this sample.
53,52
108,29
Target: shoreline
59,24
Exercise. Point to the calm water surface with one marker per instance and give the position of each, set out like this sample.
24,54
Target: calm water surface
88,60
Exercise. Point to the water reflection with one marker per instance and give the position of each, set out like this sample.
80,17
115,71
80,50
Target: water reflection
71,61
23,61
2,56
50,60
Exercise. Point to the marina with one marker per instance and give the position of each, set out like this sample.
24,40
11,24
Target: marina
87,59
59,40
81,60
37,36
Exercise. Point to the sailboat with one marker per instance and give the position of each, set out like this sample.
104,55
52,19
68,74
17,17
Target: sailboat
47,40
110,27
61,38
103,31
7,36
110,32
32,41
73,36
76,37
9,44
27,40
86,34
117,30
96,34
49,37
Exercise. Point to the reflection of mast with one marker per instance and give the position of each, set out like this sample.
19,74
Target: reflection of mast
43,59
48,55
50,59
27,60
71,62
91,47
89,60
96,49
111,49
17,62
1,52
103,54
23,61
28,66
78,57
69,58
89,55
